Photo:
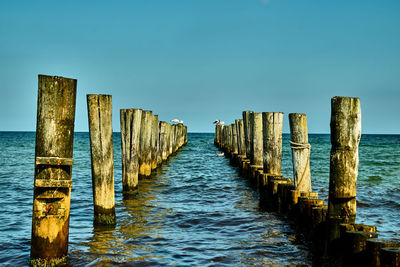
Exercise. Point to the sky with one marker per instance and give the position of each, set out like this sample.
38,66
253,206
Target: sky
201,60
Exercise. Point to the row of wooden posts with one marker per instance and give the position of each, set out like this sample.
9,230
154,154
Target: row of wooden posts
146,143
254,144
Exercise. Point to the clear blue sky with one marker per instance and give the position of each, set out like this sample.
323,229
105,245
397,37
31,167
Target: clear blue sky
201,60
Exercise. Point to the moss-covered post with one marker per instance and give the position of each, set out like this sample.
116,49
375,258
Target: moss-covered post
131,120
53,167
300,151
145,143
345,137
272,131
185,138
101,150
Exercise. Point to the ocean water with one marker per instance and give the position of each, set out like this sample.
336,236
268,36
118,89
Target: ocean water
196,210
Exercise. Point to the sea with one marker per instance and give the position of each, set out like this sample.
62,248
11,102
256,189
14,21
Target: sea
195,210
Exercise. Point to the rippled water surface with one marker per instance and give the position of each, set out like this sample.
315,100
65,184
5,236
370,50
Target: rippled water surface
195,210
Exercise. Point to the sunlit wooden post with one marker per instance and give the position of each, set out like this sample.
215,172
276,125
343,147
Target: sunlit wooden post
131,120
272,131
300,151
257,137
170,138
101,149
345,137
145,152
154,142
163,140
53,167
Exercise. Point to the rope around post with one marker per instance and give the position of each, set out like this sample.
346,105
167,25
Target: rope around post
295,145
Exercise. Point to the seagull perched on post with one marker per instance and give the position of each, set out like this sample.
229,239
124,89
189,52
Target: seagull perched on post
176,121
218,122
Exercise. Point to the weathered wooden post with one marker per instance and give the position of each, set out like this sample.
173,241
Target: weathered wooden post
154,142
131,121
145,143
300,151
101,149
163,140
234,139
185,131
175,133
246,124
257,137
345,137
272,135
53,167
170,138
240,137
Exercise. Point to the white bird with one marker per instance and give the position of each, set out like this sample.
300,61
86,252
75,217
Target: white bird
176,121
221,123
216,122
181,122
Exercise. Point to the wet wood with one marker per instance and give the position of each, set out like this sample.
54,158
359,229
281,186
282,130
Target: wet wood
54,139
145,149
101,150
300,151
131,120
272,135
345,138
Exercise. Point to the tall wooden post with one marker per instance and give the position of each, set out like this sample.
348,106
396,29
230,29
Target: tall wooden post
246,124
240,137
300,151
145,143
272,129
345,137
257,138
169,139
234,139
163,140
185,131
154,142
101,149
53,167
131,120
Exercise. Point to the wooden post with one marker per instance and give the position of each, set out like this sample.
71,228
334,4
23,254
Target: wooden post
272,135
53,167
345,137
163,140
101,150
234,139
246,125
185,139
300,151
241,139
145,143
175,133
131,121
257,134
170,138
154,142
